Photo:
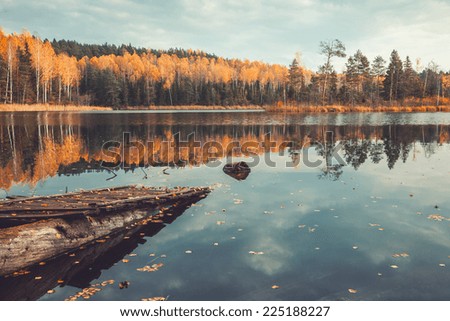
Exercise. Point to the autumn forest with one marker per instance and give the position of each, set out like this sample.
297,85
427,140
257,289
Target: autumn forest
66,72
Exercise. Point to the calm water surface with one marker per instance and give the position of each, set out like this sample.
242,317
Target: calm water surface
373,217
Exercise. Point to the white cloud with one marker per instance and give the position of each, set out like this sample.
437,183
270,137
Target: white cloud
257,29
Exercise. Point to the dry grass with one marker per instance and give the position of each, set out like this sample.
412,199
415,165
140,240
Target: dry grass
203,107
290,108
44,107
357,109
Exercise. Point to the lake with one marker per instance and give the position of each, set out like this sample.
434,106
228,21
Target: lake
335,207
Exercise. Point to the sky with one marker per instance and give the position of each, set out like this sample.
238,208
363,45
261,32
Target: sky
266,30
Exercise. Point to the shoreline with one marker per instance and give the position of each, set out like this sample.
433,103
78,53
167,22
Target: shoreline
359,109
193,108
43,107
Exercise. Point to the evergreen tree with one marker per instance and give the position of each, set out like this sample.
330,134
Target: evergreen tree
296,80
330,49
25,86
357,76
378,73
392,82
410,80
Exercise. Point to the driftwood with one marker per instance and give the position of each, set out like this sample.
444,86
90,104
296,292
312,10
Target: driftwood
79,267
24,245
238,170
92,202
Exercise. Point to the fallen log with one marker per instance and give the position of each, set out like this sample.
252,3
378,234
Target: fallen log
92,202
27,244
80,267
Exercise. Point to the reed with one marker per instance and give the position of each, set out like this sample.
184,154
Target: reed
46,107
202,107
358,109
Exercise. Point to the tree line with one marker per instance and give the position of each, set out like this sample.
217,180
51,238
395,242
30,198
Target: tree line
67,72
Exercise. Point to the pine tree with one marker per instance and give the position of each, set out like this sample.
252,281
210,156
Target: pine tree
296,80
330,49
410,80
25,85
378,72
392,82
357,76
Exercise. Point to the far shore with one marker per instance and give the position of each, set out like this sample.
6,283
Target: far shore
44,107
288,109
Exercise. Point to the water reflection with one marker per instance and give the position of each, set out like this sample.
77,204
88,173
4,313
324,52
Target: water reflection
37,146
80,267
378,190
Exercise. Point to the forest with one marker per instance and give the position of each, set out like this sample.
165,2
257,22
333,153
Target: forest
36,71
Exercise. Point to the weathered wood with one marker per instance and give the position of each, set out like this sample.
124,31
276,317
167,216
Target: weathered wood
27,244
92,202
84,265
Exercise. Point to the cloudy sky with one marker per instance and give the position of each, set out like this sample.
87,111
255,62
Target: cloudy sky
272,31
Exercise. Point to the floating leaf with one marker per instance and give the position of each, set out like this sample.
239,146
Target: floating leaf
275,287
188,251
51,291
107,282
394,266
437,217
86,293
152,268
354,247
125,260
256,253
220,222
156,298
38,277
352,291
404,254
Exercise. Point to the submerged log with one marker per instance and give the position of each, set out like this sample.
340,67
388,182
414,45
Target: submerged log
80,267
24,245
93,202
238,170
